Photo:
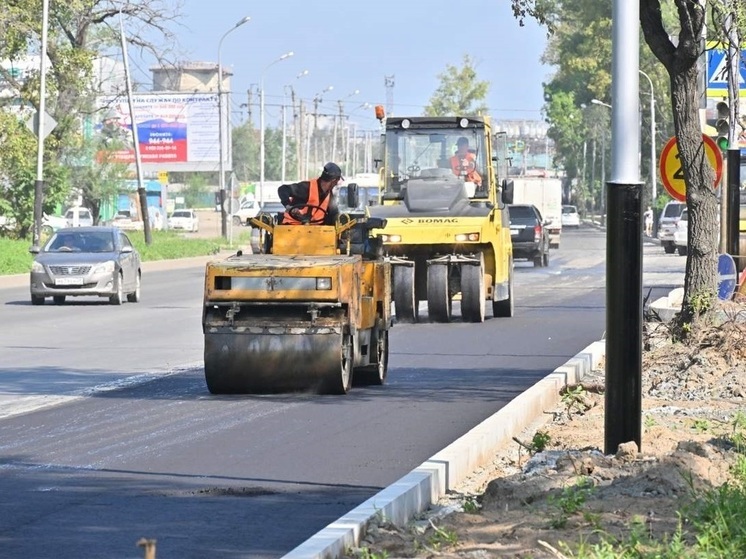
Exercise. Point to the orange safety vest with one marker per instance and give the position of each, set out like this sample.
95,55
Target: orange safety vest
470,172
317,213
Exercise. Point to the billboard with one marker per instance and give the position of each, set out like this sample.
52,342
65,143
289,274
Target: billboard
175,131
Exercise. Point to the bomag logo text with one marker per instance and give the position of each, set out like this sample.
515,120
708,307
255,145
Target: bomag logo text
436,220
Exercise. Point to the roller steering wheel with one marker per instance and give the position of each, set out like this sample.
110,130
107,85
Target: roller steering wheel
306,218
413,169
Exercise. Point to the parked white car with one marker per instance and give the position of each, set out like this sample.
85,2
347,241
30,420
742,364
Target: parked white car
667,225
53,222
184,220
79,216
124,220
249,208
680,233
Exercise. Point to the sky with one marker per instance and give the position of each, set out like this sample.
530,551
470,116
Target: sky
353,44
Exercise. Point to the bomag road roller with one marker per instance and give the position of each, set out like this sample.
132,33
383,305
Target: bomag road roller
444,194
309,310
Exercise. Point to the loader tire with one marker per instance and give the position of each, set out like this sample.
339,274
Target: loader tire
405,301
506,307
438,295
472,292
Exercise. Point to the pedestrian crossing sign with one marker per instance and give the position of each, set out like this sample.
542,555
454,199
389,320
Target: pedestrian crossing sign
717,71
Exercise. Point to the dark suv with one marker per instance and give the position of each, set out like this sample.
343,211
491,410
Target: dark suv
529,235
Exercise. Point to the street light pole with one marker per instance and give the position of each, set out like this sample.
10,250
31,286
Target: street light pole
284,126
39,183
312,130
261,124
653,174
603,166
221,132
340,102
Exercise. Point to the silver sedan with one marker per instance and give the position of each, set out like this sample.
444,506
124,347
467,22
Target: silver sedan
86,261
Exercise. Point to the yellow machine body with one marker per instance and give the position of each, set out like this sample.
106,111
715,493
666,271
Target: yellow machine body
448,236
311,313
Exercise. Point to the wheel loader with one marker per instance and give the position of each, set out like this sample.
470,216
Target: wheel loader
309,311
447,227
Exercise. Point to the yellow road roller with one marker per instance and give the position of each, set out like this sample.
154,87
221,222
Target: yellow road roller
308,311
445,196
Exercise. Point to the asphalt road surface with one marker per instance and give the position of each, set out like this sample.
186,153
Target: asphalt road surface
108,433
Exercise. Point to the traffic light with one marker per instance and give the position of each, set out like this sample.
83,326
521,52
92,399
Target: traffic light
722,125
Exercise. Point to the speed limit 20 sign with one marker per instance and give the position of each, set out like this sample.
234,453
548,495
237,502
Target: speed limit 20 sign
672,173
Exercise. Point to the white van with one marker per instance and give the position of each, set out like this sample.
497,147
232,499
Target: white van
667,225
78,216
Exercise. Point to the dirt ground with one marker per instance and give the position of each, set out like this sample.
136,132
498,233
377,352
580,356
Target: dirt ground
529,504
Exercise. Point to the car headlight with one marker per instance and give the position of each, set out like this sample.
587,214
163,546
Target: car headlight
104,268
391,238
36,267
463,237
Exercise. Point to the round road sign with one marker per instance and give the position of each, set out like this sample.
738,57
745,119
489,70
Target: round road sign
727,276
672,174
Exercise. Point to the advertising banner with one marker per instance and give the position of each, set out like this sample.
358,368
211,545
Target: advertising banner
175,132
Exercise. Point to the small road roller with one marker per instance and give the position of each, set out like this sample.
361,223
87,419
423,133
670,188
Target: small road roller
309,310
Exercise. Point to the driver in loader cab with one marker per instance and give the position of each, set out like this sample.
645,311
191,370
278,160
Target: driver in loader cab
463,163
312,201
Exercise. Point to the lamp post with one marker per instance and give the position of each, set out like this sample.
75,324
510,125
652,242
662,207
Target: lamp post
603,165
284,127
340,102
653,174
39,183
221,131
351,162
261,123
316,100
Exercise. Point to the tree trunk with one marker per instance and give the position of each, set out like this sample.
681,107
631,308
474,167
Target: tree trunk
701,264
680,60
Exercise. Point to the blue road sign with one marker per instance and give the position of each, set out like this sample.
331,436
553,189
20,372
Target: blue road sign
717,71
727,277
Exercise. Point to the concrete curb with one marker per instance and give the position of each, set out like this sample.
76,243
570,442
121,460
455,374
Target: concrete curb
425,485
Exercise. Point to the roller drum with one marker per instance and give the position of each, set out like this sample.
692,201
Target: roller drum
269,360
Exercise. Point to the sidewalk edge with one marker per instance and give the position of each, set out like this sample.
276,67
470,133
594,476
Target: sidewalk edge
424,485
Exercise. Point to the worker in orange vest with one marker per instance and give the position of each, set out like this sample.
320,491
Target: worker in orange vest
463,163
312,201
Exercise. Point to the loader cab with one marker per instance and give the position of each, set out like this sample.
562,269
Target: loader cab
423,148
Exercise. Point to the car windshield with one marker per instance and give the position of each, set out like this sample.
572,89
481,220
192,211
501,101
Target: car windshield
673,210
569,210
123,214
182,213
93,241
414,153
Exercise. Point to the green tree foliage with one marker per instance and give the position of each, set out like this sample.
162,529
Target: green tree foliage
246,152
78,31
580,51
195,190
672,30
459,92
18,148
94,171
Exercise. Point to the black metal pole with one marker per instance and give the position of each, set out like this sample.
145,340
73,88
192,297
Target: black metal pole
38,207
623,397
223,215
142,196
734,202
